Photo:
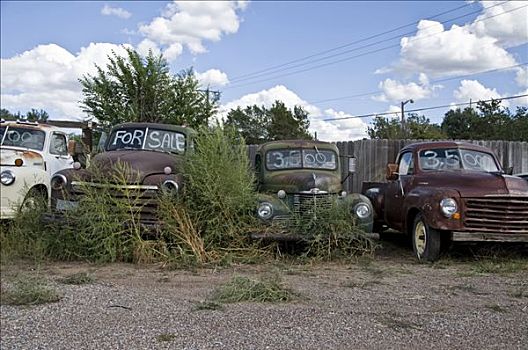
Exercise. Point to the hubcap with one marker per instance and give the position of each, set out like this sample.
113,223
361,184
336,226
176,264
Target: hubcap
419,237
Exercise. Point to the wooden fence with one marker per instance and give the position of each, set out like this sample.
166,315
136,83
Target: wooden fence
372,157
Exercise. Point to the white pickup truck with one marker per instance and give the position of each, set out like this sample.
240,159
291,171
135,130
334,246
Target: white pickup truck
30,153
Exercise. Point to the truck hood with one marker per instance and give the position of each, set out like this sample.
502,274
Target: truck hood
30,158
301,180
477,184
138,164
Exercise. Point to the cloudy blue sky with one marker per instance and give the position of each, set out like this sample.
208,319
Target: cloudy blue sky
336,59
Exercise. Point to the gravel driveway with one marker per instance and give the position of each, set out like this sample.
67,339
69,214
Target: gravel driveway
389,302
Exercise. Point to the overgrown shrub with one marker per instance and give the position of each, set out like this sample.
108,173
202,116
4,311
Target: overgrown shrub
331,233
220,191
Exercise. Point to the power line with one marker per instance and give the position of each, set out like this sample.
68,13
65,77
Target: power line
348,44
431,82
426,108
362,54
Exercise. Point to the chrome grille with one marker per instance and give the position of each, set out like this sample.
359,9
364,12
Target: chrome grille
306,205
497,214
140,199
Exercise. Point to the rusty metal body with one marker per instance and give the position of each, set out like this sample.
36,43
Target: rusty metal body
294,177
139,161
490,205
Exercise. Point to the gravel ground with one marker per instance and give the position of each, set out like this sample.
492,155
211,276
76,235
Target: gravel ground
389,302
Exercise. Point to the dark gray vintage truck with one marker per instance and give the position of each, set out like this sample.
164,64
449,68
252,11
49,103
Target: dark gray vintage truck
153,156
438,192
296,176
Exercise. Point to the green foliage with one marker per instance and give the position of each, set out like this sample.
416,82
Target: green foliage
259,124
141,89
25,236
332,233
33,115
489,121
220,191
241,289
40,116
417,127
28,291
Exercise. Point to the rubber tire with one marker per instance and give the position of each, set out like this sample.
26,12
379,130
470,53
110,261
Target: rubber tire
432,240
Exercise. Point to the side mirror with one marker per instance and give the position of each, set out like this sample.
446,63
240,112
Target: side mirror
352,165
392,172
509,171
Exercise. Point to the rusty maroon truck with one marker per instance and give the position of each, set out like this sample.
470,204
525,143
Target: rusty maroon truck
438,192
297,176
151,155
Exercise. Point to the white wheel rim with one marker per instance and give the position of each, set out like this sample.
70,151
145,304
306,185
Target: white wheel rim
419,238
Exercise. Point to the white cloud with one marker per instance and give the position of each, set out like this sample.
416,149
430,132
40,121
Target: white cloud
457,51
146,45
342,130
189,23
523,101
510,29
472,90
46,77
521,76
212,77
393,90
115,11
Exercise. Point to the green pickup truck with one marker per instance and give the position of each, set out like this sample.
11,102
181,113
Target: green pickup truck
294,177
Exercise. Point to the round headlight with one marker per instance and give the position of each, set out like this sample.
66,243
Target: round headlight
281,194
362,210
448,206
7,177
343,194
77,165
170,185
58,182
265,210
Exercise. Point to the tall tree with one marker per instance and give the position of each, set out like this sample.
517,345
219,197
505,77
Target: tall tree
251,123
141,89
260,124
37,115
287,124
489,121
417,127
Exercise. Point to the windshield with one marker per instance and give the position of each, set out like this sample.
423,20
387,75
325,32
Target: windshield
22,137
301,158
147,138
454,158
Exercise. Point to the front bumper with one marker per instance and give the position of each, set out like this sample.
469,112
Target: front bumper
464,236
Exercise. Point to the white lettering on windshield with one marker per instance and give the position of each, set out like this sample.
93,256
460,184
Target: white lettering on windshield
166,140
128,137
154,141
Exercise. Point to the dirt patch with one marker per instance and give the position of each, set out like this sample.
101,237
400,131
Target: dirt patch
476,297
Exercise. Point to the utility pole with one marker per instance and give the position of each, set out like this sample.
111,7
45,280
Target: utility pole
404,130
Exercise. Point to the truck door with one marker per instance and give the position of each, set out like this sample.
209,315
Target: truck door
397,190
58,157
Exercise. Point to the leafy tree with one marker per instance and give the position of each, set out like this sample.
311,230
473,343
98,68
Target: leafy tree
260,124
417,127
287,124
384,128
6,115
489,121
37,115
141,89
251,123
